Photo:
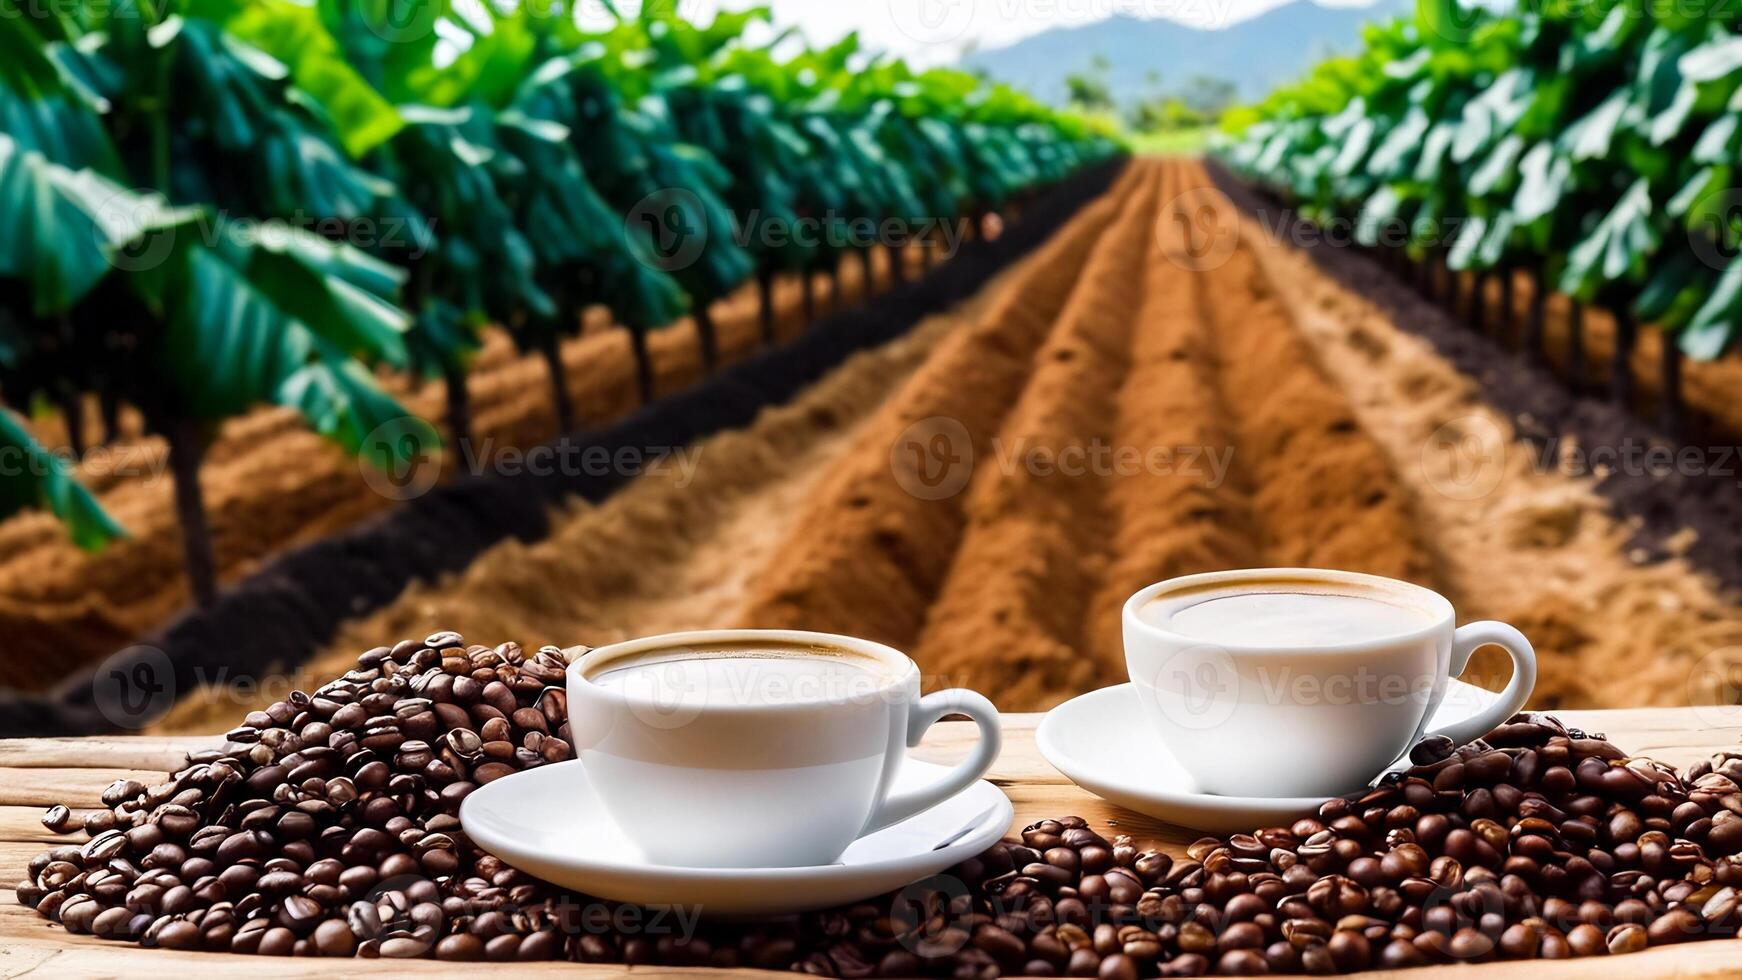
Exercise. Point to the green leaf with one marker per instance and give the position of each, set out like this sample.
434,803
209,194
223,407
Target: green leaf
1495,172
1617,248
1713,60
342,402
1591,137
1714,326
35,477
293,34
1543,178
1465,246
60,230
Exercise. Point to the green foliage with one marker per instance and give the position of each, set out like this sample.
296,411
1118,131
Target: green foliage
1595,143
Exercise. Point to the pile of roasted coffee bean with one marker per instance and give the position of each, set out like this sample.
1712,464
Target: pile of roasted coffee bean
328,828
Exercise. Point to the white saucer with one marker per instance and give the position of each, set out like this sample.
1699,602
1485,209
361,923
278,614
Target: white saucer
548,822
1102,742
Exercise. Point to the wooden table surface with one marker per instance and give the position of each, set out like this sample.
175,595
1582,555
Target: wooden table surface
35,773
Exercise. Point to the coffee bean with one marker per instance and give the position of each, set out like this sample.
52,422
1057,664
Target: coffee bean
56,818
1628,937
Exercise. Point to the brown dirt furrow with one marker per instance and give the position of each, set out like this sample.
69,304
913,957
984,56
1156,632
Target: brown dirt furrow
1323,493
676,549
1176,512
1518,542
865,555
1008,619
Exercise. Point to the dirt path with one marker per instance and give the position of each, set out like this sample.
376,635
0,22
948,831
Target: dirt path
945,493
1038,532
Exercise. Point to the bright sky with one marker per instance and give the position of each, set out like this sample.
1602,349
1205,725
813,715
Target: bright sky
930,32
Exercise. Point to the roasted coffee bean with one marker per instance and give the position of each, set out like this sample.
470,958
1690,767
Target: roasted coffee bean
56,818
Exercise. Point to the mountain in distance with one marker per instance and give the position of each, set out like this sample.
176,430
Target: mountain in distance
1257,54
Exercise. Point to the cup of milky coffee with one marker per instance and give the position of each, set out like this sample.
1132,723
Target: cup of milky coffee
758,748
1303,681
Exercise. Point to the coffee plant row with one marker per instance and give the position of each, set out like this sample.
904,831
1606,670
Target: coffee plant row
208,205
1596,144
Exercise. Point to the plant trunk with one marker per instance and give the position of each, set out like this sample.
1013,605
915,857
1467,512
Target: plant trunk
835,286
109,405
187,444
459,409
707,337
1507,318
72,410
897,268
1621,361
1576,346
808,294
551,349
868,273
643,364
926,259
1670,408
1479,301
1533,324
765,303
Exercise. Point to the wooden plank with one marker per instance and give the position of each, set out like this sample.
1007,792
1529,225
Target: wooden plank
74,787
21,824
117,752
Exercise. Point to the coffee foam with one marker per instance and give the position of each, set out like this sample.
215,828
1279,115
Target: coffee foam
746,672
1290,612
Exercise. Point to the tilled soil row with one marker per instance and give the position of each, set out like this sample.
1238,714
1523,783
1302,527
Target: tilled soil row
868,551
1178,513
1322,492
1009,616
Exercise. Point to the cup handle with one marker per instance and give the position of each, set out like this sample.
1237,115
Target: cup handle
1465,642
900,806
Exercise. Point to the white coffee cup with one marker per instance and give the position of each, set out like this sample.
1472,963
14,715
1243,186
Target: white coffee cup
1261,715
785,769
